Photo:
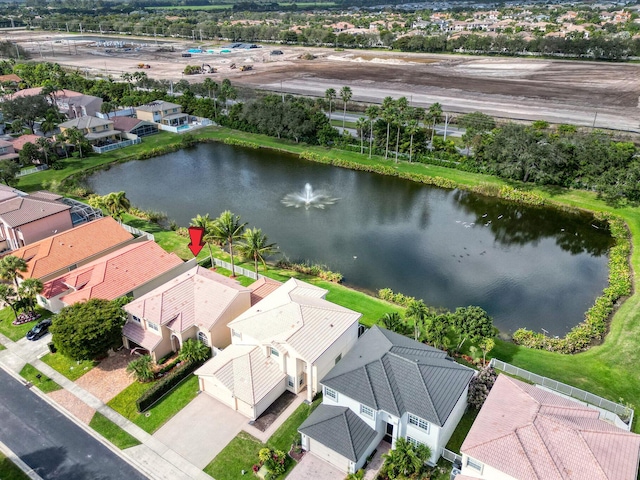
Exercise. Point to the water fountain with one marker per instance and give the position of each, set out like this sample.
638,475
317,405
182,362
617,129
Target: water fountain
308,198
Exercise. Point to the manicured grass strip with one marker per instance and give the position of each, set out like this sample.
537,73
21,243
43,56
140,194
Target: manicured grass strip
71,369
44,383
240,454
125,403
112,432
10,471
2,347
461,431
17,332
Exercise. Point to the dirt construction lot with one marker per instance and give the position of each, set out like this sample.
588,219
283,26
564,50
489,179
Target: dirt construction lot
605,95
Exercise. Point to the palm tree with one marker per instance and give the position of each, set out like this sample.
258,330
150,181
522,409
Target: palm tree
417,311
372,111
45,145
392,321
27,292
413,127
8,297
107,107
207,223
10,268
330,95
405,460
388,112
402,104
50,123
345,95
227,229
256,246
361,124
76,138
435,115
117,203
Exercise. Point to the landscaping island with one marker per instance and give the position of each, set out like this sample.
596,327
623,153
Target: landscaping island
607,369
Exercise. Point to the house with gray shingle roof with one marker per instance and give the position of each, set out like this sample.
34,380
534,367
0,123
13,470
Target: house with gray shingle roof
388,386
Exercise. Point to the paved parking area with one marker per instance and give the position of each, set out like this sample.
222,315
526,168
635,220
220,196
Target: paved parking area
201,430
109,377
313,467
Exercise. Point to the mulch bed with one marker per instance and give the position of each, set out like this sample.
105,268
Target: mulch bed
269,416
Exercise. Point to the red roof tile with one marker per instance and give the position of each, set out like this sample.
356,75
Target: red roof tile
19,142
261,288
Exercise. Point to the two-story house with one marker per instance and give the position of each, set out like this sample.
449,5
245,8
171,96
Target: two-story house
197,304
285,342
7,151
387,386
96,130
164,113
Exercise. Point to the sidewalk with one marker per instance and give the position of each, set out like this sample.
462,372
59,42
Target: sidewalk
152,457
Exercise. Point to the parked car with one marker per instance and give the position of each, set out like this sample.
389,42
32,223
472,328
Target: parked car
39,330
276,52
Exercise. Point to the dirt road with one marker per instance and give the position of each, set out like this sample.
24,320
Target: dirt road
605,95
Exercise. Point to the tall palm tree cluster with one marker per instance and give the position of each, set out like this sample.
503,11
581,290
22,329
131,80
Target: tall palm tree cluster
18,295
227,230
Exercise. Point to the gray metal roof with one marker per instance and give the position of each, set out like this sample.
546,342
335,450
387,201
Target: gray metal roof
390,372
339,429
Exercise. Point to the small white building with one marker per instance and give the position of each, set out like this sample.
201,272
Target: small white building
388,386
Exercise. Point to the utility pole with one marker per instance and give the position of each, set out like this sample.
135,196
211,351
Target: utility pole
594,120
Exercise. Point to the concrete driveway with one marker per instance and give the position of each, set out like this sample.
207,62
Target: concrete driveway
201,429
313,467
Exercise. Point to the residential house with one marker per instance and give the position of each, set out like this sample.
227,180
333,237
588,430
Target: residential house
132,270
388,386
135,126
525,431
72,104
197,304
9,83
19,143
67,250
286,341
163,113
7,151
96,130
25,219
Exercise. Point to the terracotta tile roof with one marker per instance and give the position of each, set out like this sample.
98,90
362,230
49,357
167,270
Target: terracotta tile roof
20,210
70,247
197,297
142,337
19,142
113,275
296,314
245,371
27,92
530,433
125,123
12,77
262,287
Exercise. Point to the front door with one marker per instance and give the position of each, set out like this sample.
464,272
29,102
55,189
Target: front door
389,434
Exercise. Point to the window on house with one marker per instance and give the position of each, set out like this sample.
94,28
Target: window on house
135,319
414,442
338,358
476,465
418,422
366,411
203,338
290,381
153,326
329,392
274,352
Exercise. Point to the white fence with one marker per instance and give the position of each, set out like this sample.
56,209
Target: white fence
451,456
623,412
238,270
137,231
28,171
116,146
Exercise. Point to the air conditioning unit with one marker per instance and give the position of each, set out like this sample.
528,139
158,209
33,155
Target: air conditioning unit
454,473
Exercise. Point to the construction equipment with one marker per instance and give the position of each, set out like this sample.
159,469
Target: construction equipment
232,66
206,68
245,68
144,65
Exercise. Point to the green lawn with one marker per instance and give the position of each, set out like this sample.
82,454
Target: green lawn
112,432
242,452
44,383
16,332
462,429
161,412
10,471
71,369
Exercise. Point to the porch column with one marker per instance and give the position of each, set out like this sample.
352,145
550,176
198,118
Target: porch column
309,382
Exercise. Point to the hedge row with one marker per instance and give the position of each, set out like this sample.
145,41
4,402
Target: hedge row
240,143
594,326
397,298
164,386
319,271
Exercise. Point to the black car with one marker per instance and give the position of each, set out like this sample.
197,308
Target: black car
276,52
39,330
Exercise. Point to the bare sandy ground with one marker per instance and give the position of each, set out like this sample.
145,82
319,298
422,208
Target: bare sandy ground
604,95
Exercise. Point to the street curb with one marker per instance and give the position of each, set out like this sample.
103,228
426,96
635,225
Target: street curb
28,471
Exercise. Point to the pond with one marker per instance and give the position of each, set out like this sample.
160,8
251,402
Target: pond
528,267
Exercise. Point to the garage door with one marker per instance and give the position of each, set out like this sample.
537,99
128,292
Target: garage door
329,455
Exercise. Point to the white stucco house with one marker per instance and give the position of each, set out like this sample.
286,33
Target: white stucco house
388,386
286,341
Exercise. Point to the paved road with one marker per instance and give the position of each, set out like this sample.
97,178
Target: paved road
51,444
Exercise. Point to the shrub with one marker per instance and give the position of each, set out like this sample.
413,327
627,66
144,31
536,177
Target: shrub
274,460
141,368
397,298
194,351
164,386
241,143
480,386
320,271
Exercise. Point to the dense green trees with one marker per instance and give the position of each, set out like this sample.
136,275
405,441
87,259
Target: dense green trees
87,330
26,110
